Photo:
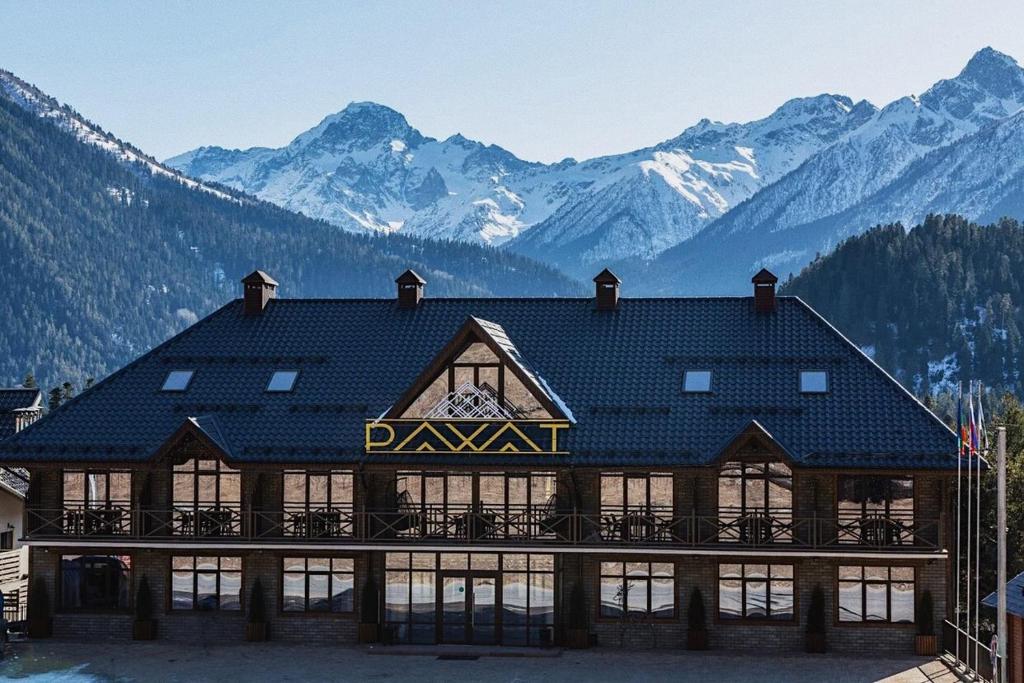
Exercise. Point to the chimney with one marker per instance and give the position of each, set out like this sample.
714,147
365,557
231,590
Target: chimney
607,290
410,289
257,289
764,291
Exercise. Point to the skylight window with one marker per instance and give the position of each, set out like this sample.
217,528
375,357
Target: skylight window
813,382
282,380
697,381
177,380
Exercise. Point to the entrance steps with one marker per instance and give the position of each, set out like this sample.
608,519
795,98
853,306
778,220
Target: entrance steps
463,651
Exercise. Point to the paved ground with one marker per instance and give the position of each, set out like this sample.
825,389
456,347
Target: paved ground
71,662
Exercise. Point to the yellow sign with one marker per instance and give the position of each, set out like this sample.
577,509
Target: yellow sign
465,436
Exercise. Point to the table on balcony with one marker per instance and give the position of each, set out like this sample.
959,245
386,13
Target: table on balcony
878,530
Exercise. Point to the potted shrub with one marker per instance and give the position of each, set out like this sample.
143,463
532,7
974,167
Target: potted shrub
578,633
369,631
697,631
256,621
144,626
925,642
816,641
40,623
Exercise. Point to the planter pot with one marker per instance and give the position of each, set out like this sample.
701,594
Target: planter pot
144,629
256,632
40,628
577,638
926,646
696,640
368,633
816,643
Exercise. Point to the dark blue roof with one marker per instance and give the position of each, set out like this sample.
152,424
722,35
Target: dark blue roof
1014,597
19,398
619,372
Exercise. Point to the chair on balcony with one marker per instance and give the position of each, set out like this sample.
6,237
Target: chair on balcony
638,526
475,524
551,522
879,531
103,521
756,528
215,522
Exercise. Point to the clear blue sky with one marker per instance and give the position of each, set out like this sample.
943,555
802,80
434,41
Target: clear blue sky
546,80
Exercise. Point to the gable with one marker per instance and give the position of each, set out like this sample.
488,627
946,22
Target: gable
478,374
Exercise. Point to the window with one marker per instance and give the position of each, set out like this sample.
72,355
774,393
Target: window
207,498
7,540
638,589
282,380
813,382
177,380
97,502
206,583
883,594
95,582
697,381
755,591
636,492
476,383
318,503
318,584
876,510
755,502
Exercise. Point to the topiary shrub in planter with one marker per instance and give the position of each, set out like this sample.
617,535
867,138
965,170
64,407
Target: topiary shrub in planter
578,633
144,626
816,639
256,621
696,621
925,642
369,607
40,623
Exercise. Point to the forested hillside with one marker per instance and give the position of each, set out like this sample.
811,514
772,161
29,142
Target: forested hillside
100,260
933,305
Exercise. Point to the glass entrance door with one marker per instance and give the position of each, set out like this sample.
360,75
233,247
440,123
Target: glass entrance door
454,608
469,609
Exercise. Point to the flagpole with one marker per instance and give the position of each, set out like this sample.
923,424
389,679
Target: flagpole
1001,634
976,447
959,510
967,573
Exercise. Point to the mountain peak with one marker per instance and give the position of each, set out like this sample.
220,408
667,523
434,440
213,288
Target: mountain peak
363,124
994,73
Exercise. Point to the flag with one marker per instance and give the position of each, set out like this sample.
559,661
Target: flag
960,419
972,434
982,435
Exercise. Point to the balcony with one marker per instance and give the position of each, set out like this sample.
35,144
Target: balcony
500,526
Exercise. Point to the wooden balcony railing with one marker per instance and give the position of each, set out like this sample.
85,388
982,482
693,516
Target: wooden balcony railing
498,525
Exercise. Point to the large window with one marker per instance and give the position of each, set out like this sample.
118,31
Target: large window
97,502
876,510
318,503
526,583
636,506
207,499
206,583
755,502
95,582
755,591
476,384
484,505
318,584
869,593
638,589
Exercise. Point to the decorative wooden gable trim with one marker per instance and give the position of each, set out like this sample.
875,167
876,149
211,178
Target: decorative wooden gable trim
472,331
753,442
189,434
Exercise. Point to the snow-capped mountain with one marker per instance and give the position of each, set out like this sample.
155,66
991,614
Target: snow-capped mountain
367,168
35,100
893,167
657,197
